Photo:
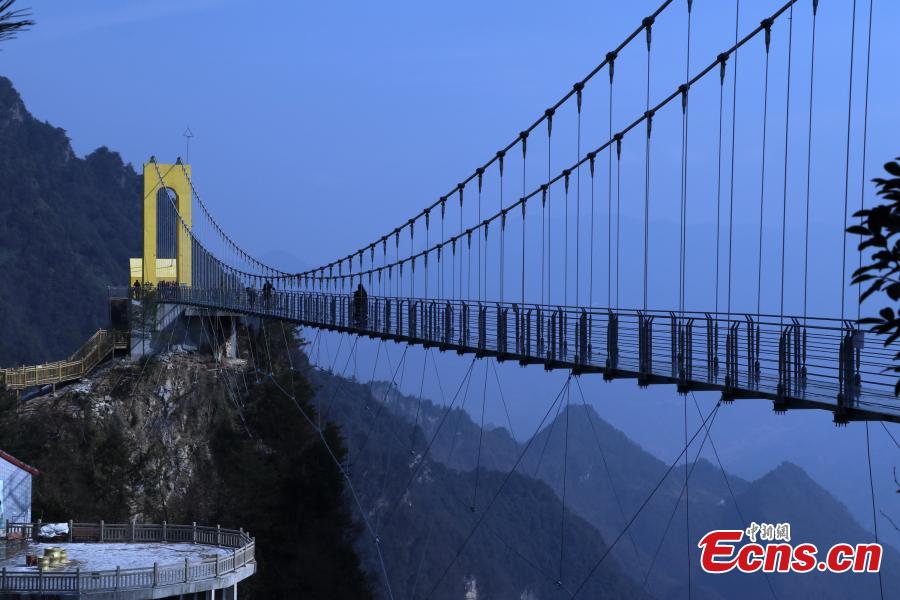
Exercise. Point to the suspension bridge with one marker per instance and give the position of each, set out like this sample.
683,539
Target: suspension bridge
548,252
514,285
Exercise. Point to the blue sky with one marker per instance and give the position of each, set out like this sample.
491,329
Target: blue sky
319,126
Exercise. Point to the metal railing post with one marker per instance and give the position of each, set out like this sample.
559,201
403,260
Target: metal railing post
186,570
102,530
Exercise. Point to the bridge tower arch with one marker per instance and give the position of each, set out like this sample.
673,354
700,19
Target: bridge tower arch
158,177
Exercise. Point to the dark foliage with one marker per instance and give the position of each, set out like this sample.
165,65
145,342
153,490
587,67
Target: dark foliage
84,464
68,227
279,481
13,20
880,231
261,467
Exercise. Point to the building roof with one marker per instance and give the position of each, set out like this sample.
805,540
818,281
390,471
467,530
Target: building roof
15,461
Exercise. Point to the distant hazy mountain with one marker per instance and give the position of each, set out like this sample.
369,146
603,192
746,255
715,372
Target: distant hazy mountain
67,228
514,553
606,494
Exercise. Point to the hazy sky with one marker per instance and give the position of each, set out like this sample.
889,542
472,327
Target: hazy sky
356,115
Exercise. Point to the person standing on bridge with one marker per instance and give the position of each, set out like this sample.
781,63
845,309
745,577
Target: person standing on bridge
360,307
267,293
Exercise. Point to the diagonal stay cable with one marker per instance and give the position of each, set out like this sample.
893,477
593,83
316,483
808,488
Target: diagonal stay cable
503,400
689,472
872,496
500,489
384,399
606,465
421,459
547,439
645,502
396,439
346,476
737,507
890,435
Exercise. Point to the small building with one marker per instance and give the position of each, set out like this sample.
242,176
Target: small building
15,490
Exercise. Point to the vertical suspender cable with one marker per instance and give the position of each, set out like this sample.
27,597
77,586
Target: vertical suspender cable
812,72
618,210
762,177
566,241
578,200
502,227
648,24
787,129
591,286
480,179
862,187
611,57
524,136
847,157
469,296
737,18
549,113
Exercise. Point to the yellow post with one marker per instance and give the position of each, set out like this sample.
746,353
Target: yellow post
173,177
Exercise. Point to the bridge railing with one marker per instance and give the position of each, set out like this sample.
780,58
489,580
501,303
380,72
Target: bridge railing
85,359
241,544
824,361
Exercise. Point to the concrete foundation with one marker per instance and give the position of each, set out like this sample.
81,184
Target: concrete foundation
176,327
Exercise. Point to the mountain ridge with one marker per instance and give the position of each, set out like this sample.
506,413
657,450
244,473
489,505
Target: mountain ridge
599,453
69,225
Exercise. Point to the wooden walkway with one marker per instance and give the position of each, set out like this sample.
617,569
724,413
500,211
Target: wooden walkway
92,353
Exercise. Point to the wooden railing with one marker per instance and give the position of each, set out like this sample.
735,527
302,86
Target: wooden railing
240,543
82,362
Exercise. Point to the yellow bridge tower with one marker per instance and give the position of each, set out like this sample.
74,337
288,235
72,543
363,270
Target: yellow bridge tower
150,269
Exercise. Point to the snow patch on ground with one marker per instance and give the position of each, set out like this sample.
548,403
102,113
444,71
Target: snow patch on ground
103,557
471,589
82,387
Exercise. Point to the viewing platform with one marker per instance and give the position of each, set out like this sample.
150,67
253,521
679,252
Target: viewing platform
125,562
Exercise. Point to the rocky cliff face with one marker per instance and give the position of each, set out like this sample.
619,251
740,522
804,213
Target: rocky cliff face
134,433
185,438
